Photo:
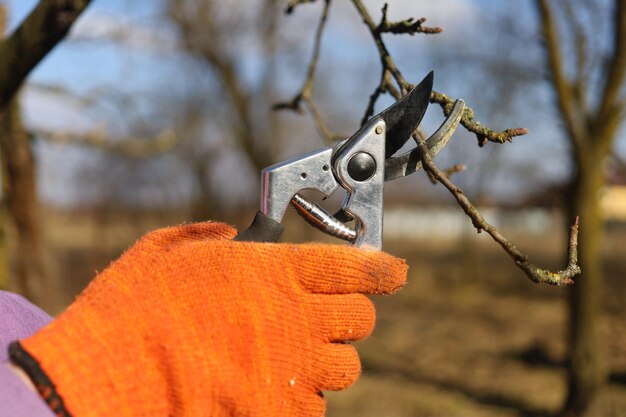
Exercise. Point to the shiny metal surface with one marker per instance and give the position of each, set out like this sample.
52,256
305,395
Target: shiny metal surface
319,218
364,200
361,165
403,117
411,161
280,182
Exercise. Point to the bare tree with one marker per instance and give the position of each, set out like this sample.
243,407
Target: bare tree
592,116
48,23
580,59
207,31
20,52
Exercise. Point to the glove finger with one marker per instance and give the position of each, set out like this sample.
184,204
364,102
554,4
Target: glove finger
340,318
306,403
185,233
337,269
337,367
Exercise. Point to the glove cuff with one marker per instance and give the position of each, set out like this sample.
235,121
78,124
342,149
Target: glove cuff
46,388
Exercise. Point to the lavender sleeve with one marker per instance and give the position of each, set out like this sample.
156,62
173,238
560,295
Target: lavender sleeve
18,319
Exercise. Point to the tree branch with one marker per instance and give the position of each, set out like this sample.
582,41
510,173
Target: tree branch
381,88
212,46
482,133
385,58
389,70
306,92
294,3
535,274
39,33
563,90
610,111
131,147
408,26
580,41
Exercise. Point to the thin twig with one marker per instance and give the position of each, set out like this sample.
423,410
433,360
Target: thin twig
454,169
568,106
482,133
381,88
448,172
327,134
130,147
521,259
385,57
408,26
580,83
295,3
305,95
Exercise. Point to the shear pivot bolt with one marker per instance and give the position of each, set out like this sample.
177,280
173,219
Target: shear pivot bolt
362,166
379,130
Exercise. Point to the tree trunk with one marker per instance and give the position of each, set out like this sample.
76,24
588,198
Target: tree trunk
4,257
585,368
46,25
22,208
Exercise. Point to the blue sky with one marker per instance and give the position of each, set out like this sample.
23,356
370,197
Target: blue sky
83,65
142,66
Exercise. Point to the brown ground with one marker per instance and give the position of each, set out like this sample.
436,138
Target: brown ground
484,343
468,336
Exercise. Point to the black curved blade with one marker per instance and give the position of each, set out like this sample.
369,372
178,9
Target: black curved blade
403,117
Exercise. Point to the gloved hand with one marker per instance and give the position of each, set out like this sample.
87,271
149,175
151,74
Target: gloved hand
188,322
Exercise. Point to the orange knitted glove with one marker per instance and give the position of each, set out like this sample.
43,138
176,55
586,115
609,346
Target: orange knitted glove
190,323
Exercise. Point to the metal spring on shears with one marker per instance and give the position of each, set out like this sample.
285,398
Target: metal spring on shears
319,218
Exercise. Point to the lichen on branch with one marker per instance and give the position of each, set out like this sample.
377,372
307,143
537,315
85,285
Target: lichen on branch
483,134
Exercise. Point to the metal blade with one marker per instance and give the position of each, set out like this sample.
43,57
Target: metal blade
411,161
403,117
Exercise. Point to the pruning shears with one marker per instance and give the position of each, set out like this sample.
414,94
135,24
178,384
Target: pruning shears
360,165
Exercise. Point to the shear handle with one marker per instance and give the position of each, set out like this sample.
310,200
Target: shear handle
262,229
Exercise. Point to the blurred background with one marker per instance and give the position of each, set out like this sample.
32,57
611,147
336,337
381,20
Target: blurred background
154,113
